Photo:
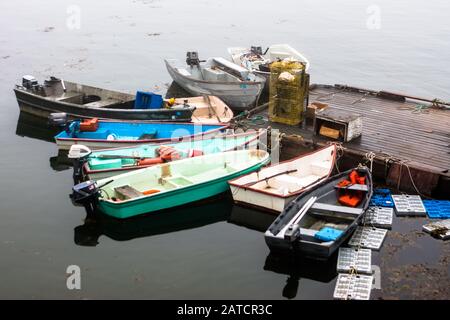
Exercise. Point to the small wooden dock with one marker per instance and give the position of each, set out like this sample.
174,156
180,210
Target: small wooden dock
408,138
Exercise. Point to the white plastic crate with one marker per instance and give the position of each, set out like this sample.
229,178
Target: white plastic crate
353,287
359,260
409,205
368,238
380,217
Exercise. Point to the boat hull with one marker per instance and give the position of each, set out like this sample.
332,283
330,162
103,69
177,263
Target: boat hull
310,249
184,131
250,198
268,199
239,96
207,146
172,199
42,107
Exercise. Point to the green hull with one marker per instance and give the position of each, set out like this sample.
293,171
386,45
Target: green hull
174,197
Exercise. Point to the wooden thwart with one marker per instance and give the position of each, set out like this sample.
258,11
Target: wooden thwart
127,192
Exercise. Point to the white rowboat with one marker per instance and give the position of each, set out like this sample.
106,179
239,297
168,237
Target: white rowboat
273,187
235,85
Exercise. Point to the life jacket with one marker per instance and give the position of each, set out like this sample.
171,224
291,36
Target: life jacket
194,153
168,153
351,198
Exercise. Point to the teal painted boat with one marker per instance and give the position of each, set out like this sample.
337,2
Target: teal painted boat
170,184
100,164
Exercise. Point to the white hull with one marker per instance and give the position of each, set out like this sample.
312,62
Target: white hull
259,200
273,187
213,112
238,95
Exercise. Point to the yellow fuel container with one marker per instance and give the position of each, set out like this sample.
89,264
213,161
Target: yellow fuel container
288,92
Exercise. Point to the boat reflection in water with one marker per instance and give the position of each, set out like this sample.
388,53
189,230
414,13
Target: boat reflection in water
35,127
252,219
295,267
167,221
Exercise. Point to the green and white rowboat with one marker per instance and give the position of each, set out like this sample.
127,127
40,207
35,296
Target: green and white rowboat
177,183
100,164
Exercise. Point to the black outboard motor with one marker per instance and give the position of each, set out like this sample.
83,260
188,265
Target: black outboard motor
57,119
29,82
86,194
256,50
192,58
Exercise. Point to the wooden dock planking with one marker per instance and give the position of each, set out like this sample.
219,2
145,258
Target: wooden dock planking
392,128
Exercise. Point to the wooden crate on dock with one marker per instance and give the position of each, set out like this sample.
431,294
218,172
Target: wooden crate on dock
337,124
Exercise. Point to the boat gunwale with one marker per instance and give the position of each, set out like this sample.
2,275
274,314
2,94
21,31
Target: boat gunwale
87,170
169,66
296,193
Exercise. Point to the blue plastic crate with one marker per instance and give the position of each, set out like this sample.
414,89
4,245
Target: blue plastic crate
437,209
382,198
328,234
148,100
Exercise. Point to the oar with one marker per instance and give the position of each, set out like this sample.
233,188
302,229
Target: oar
291,233
269,177
116,156
210,107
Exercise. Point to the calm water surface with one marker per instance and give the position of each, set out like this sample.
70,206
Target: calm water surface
202,251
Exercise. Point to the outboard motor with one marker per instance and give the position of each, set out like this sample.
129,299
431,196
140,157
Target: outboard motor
79,154
29,82
57,119
192,58
256,50
86,193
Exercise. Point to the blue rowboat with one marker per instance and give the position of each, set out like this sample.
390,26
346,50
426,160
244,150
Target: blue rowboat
109,134
105,163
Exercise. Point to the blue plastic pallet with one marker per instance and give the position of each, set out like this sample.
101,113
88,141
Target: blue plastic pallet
382,198
437,209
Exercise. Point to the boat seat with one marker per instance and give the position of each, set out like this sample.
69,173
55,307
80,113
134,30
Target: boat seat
334,208
101,103
184,72
321,168
358,187
99,134
70,96
292,183
178,181
210,74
